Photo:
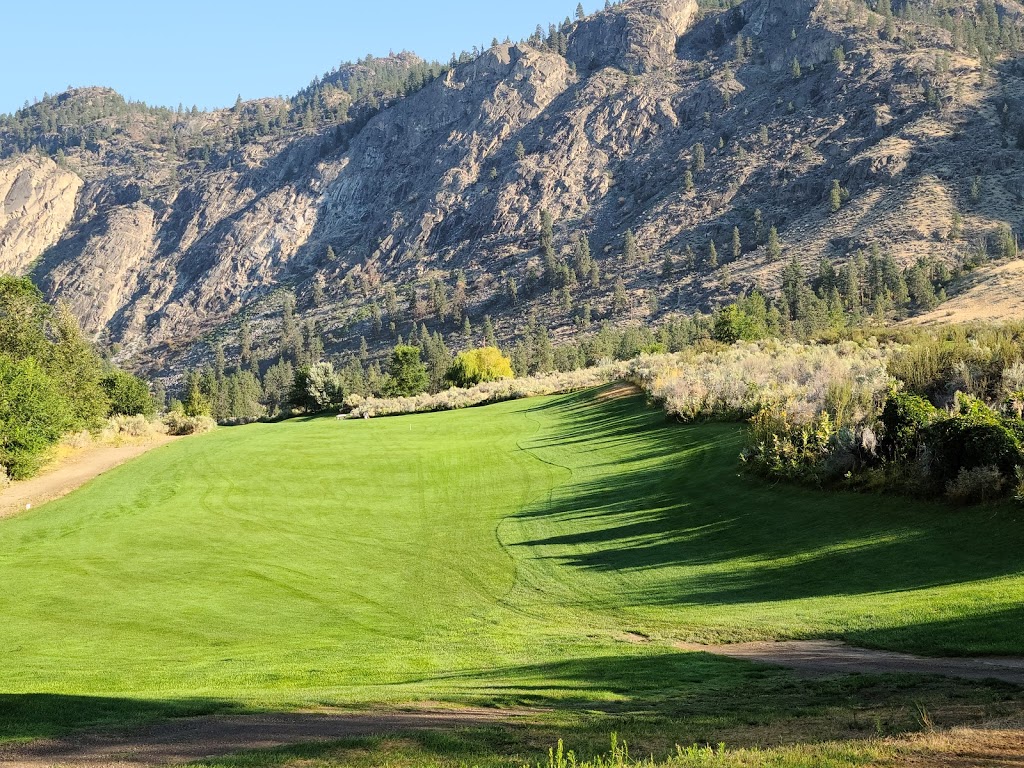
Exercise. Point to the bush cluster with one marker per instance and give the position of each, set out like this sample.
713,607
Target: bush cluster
359,407
52,381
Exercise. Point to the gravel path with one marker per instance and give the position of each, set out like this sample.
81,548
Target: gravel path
825,657
188,739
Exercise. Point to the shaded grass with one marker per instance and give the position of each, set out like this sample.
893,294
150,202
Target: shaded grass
497,555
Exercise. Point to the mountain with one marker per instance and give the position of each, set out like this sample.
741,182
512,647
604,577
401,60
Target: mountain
396,190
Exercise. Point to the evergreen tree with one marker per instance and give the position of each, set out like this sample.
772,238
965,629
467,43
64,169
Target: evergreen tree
737,244
620,299
835,196
489,337
712,260
774,245
630,253
407,374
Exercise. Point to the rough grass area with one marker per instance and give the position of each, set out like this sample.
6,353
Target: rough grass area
539,552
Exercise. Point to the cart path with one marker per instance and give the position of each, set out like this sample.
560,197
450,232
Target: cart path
827,657
184,740
70,475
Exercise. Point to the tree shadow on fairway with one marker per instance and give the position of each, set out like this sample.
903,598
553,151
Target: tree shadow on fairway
983,633
671,504
27,716
705,693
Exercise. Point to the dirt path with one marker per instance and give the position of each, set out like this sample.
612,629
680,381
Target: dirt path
189,739
70,474
824,657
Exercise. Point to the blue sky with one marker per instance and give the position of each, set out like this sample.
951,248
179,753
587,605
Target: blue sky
206,52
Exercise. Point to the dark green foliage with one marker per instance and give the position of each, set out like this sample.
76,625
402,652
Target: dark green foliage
128,395
904,419
408,376
973,437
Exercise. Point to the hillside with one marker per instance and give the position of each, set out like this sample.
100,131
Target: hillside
416,196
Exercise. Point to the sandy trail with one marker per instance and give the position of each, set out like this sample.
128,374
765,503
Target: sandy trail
71,474
179,741
824,657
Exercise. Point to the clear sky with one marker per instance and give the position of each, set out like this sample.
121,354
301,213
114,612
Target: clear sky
206,52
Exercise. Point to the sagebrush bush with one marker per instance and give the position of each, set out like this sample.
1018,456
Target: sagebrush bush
490,392
179,424
737,382
134,427
976,485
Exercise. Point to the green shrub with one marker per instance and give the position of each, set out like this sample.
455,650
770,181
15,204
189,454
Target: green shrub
904,418
781,448
975,436
33,416
129,395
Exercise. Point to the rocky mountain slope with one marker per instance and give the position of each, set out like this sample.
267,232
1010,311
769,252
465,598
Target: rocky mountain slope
380,206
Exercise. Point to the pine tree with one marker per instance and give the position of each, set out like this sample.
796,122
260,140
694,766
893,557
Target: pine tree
580,12
835,196
797,72
737,244
667,267
688,181
520,151
489,338
774,246
630,253
620,299
712,256
699,158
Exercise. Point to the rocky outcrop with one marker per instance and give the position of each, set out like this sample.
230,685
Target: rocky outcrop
37,203
637,37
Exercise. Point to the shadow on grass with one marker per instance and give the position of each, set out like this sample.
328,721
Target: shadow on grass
984,632
29,716
679,507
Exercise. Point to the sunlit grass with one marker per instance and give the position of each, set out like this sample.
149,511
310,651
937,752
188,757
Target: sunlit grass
499,554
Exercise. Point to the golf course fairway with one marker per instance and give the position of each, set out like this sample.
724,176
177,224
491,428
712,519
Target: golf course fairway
514,553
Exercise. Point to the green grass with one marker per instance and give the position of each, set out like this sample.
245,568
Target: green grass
489,555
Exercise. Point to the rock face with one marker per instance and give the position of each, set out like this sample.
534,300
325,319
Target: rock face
163,251
37,203
638,37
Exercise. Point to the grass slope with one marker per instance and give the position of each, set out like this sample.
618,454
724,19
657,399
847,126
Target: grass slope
496,554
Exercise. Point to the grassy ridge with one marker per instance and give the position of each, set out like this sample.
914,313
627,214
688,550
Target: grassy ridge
498,554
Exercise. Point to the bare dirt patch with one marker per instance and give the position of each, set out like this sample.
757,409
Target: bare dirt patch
819,658
190,739
618,391
70,474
